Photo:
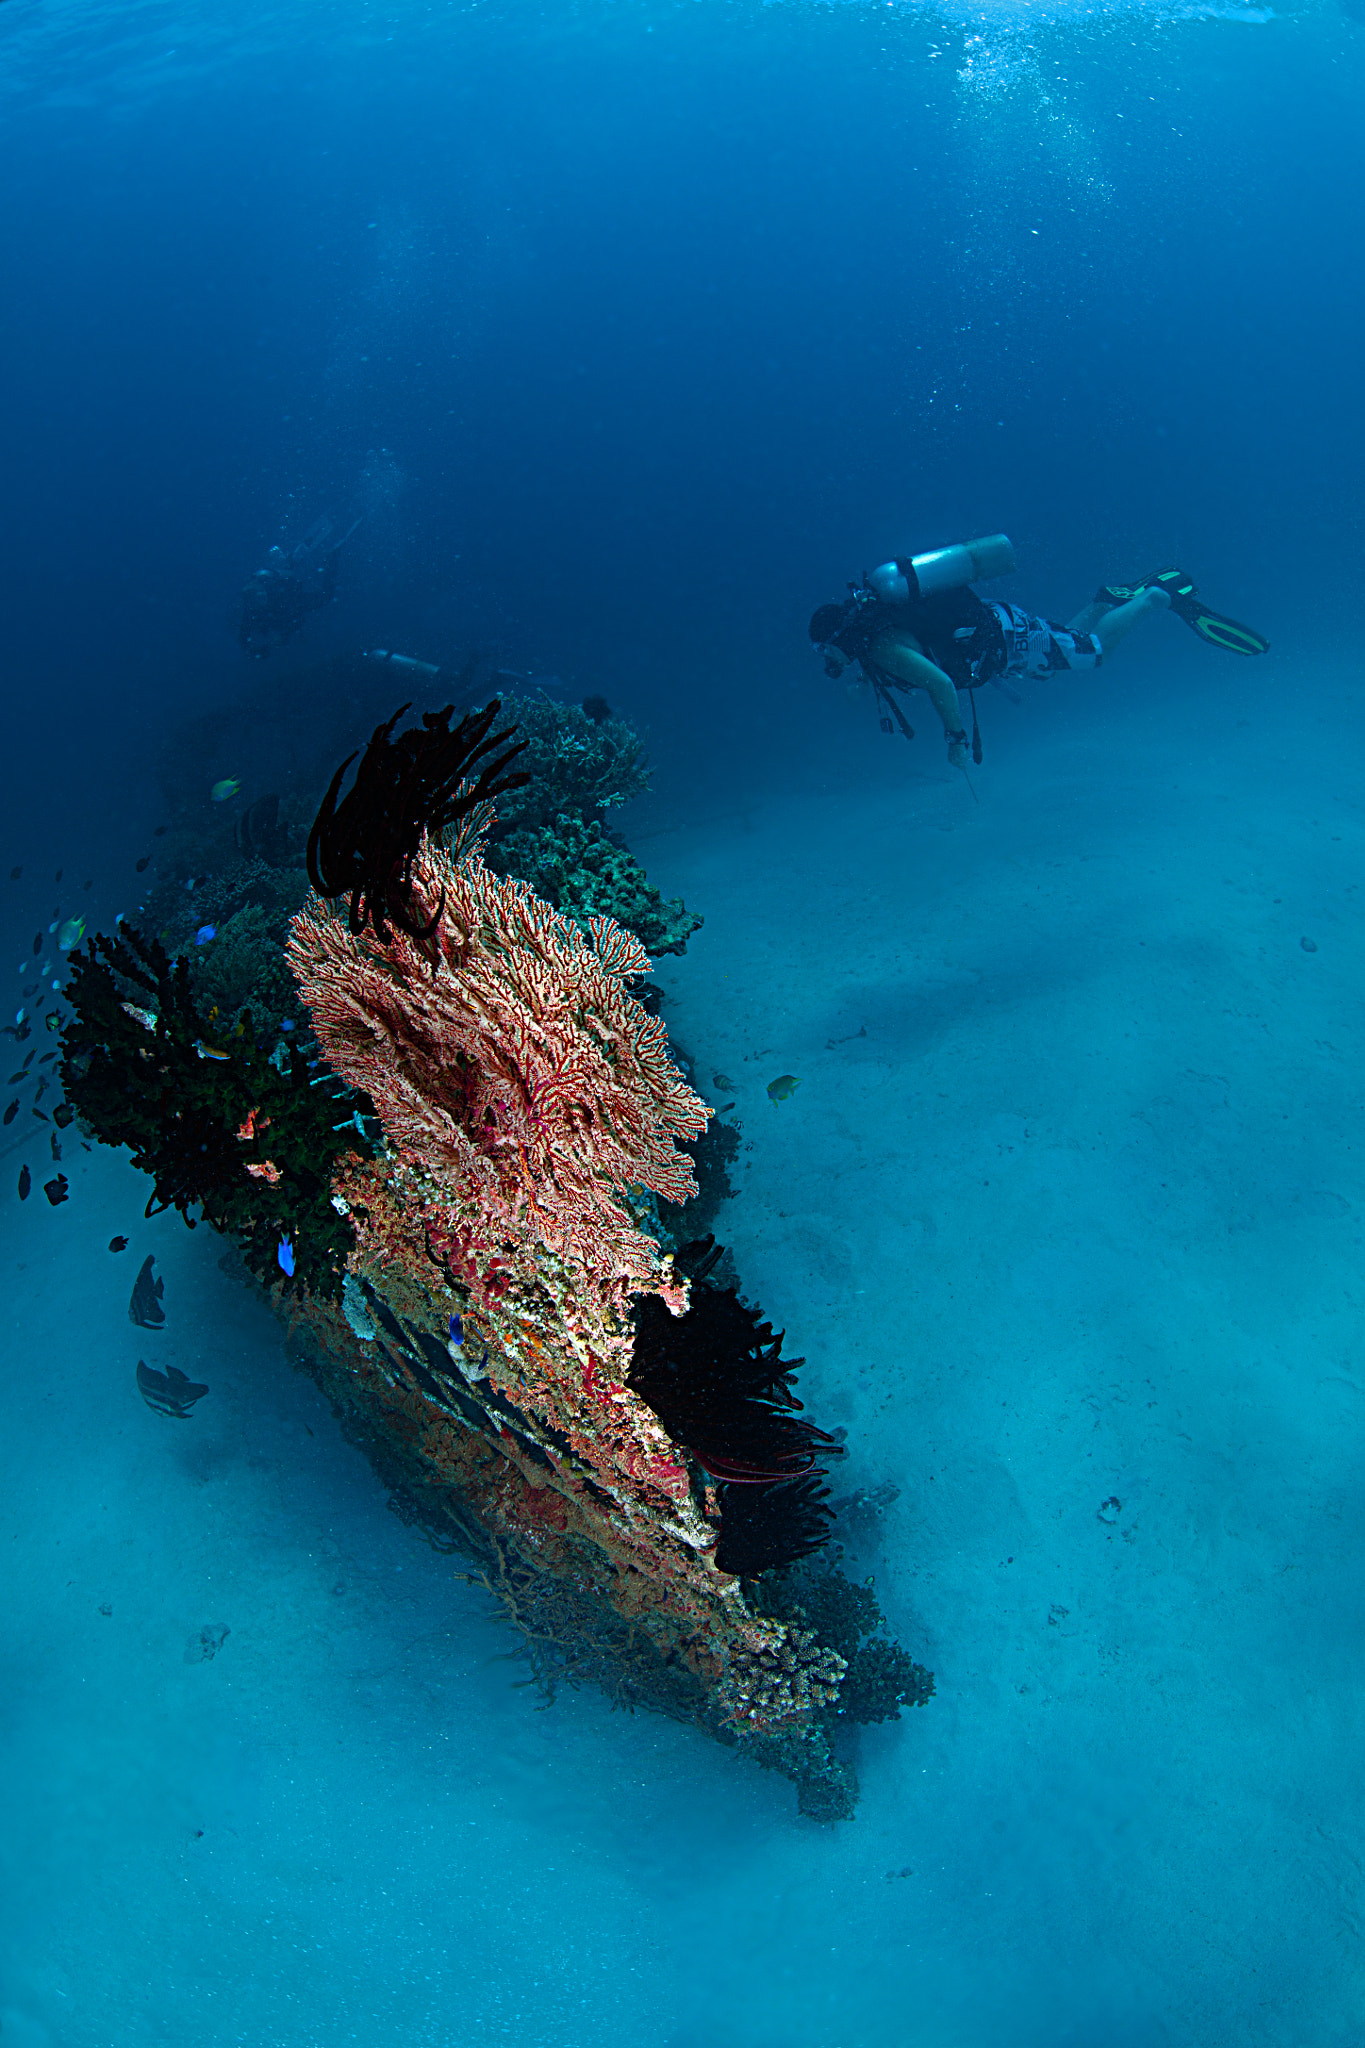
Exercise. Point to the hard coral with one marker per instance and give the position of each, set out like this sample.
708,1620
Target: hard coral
578,765
584,873
204,1118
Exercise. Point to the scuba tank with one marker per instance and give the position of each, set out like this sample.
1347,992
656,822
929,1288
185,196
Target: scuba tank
901,581
937,583
427,668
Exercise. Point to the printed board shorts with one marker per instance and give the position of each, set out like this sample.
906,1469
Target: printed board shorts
1040,647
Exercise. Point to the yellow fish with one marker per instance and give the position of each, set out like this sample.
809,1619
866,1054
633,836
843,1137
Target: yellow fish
210,1052
783,1086
221,791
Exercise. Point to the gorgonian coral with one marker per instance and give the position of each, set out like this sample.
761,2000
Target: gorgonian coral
506,1056
363,845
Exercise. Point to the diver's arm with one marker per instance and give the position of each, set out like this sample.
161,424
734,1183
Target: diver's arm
909,665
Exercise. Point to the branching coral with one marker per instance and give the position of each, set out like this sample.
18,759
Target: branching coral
243,967
780,1676
881,1677
218,1123
584,873
576,764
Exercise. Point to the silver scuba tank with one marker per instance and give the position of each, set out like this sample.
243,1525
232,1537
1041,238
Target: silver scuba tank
426,668
967,561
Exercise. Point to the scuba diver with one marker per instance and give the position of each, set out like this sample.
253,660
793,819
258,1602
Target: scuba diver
916,624
279,597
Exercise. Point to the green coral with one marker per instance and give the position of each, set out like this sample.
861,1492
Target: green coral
581,871
244,883
244,966
577,764
138,1065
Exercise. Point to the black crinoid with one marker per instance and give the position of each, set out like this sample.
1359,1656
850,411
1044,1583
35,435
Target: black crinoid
363,846
222,1123
718,1382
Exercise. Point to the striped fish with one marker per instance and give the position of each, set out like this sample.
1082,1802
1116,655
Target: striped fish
169,1392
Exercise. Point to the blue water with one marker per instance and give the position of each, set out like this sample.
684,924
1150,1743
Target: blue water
631,332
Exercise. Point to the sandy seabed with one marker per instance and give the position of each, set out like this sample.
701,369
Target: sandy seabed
1066,1217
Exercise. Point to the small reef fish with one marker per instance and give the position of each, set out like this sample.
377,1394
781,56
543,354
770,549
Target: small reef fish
169,1392
25,1183
144,863
210,1052
62,1115
221,791
783,1087
71,934
56,1145
12,1112
56,1189
205,933
145,1308
118,1244
15,873
285,1256
37,942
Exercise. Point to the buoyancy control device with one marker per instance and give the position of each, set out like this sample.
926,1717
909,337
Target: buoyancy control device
928,596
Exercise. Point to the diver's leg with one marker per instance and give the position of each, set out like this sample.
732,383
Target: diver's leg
1086,620
1109,627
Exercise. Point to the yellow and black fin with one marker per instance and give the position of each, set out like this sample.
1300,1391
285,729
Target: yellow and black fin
1187,604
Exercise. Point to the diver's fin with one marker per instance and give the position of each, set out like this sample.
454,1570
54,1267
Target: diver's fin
1186,603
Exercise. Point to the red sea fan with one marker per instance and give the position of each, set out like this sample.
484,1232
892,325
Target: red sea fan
506,1058
363,844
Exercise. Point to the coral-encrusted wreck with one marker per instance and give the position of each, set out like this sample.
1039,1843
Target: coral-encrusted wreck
473,1266
531,1108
